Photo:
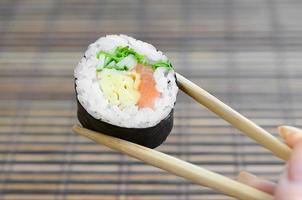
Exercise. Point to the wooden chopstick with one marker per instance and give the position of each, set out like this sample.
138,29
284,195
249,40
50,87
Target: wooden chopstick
243,124
176,166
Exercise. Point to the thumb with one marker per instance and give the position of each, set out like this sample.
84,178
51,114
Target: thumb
290,185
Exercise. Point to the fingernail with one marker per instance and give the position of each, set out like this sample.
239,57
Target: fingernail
246,177
295,164
290,134
256,182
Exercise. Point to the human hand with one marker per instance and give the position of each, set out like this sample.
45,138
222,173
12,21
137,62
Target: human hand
289,186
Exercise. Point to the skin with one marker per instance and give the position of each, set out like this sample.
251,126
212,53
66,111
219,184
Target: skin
289,186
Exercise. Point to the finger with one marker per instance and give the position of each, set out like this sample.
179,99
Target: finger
290,134
290,184
256,182
287,190
295,163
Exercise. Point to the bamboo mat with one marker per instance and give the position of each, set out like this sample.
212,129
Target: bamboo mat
247,53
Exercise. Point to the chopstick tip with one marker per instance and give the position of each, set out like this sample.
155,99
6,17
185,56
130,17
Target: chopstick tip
75,128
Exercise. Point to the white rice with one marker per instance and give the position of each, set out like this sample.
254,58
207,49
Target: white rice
92,99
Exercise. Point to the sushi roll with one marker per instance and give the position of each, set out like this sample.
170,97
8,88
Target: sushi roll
127,89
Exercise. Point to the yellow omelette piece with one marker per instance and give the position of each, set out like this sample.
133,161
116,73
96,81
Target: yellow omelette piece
119,87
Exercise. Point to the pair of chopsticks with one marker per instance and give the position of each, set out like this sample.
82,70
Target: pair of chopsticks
192,172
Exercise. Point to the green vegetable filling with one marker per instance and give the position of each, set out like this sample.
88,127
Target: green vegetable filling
122,52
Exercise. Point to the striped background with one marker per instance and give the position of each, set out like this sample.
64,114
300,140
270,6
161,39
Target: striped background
247,53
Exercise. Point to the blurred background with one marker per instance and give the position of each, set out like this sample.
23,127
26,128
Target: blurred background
247,53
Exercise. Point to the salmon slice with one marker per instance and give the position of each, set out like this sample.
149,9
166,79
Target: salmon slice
147,89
